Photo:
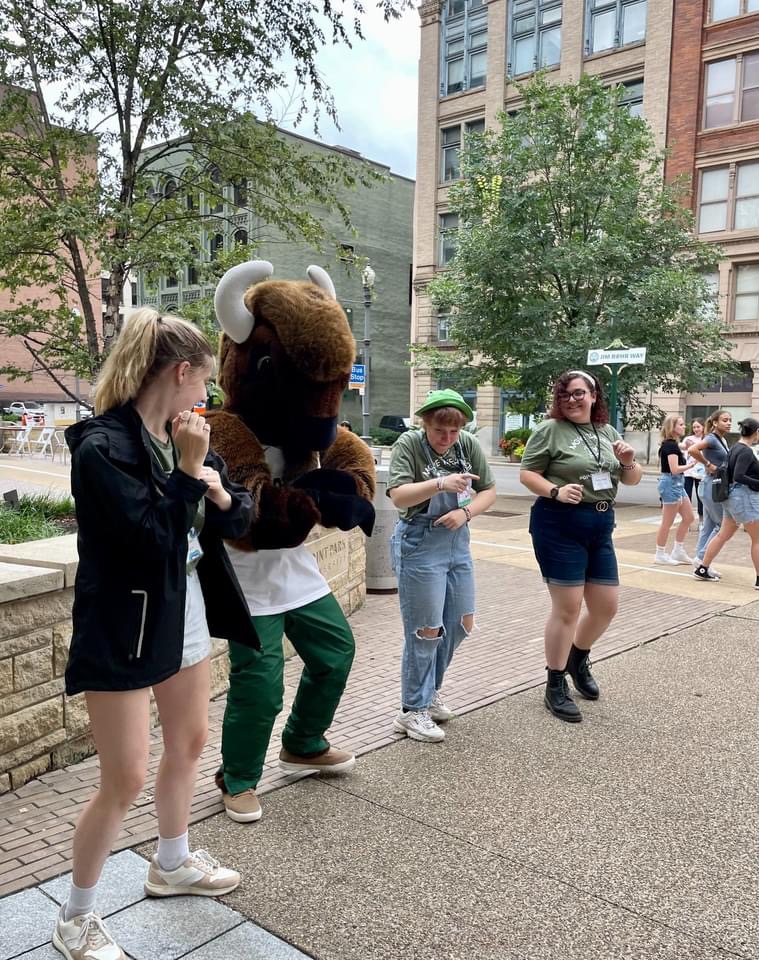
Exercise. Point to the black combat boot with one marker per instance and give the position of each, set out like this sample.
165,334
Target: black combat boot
578,668
557,697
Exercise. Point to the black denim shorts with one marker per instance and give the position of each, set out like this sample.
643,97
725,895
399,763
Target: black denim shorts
573,543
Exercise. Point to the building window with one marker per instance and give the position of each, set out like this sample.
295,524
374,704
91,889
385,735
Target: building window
240,193
747,292
443,334
732,90
450,147
723,9
216,198
216,246
535,35
729,202
346,252
464,39
447,227
133,291
614,23
169,188
170,282
240,238
632,98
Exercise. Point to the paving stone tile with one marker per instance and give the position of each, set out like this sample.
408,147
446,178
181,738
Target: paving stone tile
121,884
167,929
249,942
48,952
26,921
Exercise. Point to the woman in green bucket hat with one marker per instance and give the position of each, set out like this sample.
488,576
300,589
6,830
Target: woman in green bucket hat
439,479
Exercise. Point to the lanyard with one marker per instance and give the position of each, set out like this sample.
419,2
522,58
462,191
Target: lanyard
581,434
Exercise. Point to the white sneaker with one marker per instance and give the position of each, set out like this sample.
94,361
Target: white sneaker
699,562
665,558
419,725
679,555
199,875
85,938
439,711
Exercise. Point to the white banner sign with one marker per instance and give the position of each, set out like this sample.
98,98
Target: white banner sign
633,355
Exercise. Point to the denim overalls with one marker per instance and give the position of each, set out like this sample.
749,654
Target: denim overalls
436,589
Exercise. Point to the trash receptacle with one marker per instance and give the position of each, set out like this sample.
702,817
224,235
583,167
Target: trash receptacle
379,571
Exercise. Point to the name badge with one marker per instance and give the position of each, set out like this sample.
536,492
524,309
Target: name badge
194,549
601,480
465,497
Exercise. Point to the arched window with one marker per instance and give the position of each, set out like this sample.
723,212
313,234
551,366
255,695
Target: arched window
169,188
240,238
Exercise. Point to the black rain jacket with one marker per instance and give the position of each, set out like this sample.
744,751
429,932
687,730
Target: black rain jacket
129,595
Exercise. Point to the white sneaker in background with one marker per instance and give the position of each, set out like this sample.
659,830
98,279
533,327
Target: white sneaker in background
439,711
663,557
679,555
419,725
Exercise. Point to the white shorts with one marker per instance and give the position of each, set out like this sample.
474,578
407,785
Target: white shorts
197,640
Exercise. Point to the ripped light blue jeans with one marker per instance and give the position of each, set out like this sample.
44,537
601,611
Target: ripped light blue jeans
436,590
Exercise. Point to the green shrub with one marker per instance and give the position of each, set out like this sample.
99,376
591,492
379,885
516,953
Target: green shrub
383,438
36,518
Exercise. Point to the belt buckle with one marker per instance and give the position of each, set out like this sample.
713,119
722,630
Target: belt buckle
602,506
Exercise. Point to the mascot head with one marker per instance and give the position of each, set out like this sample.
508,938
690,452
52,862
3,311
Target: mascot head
285,355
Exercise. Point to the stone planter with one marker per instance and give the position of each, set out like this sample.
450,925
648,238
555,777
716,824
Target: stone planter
41,728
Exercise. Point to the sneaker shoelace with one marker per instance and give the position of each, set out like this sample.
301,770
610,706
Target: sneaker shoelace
424,719
93,933
204,861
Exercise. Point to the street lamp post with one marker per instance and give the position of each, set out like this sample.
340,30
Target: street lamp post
367,280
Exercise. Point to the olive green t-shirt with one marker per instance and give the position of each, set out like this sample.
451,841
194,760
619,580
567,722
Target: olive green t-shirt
564,452
164,454
412,460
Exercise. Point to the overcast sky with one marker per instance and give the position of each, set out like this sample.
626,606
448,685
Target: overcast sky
374,86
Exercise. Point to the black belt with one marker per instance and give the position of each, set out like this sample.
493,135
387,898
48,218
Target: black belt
600,506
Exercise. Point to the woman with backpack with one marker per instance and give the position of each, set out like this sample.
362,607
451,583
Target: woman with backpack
712,452
672,493
742,505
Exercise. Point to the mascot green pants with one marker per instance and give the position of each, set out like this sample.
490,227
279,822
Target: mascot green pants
324,642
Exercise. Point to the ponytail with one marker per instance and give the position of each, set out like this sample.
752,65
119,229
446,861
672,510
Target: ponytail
148,343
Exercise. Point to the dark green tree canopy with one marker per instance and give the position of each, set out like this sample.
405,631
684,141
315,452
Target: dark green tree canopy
89,87
569,239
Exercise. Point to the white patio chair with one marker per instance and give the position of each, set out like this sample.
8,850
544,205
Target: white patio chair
44,442
20,442
60,446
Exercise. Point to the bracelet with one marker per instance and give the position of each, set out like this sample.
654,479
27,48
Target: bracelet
439,483
468,513
629,466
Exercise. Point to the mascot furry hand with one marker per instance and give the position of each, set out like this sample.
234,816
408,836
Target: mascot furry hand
285,359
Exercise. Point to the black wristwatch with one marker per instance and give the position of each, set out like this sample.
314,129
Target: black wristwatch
554,492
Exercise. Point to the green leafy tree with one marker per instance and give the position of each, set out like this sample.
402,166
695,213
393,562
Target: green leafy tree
569,239
89,88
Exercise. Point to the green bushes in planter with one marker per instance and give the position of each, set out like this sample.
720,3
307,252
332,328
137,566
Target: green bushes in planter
36,518
513,442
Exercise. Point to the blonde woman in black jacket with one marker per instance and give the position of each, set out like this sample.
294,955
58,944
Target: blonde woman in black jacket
152,503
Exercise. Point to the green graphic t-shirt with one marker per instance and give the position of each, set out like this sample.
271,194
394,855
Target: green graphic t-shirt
166,456
412,460
565,452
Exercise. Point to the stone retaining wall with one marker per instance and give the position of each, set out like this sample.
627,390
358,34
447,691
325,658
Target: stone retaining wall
40,727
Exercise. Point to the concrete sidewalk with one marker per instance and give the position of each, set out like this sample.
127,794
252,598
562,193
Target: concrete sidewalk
633,834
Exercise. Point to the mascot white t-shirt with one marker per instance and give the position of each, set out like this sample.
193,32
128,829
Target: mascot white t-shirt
275,581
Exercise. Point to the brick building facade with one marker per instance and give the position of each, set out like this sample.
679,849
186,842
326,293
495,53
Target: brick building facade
474,53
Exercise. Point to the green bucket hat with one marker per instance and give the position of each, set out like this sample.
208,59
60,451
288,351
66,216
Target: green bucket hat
445,398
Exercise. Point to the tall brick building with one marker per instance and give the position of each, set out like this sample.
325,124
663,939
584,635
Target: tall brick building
474,53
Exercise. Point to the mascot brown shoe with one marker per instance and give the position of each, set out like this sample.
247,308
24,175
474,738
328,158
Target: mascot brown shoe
285,359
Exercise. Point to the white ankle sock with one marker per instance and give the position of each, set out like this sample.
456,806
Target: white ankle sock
81,900
172,852
661,551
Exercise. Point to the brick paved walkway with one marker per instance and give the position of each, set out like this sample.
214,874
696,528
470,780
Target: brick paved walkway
504,655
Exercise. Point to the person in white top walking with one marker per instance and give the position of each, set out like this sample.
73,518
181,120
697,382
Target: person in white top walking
672,493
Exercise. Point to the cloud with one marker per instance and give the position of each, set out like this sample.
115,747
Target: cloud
374,85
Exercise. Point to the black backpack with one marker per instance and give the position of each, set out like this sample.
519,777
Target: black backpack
721,483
